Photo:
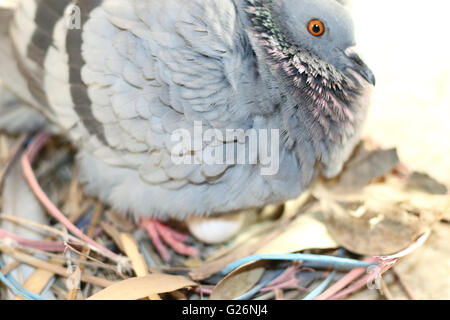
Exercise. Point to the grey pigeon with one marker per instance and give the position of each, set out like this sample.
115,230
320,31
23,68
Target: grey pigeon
119,77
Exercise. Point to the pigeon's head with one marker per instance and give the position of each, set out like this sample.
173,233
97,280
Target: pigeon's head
310,44
314,34
307,47
324,28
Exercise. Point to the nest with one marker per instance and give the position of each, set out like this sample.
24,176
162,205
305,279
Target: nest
338,238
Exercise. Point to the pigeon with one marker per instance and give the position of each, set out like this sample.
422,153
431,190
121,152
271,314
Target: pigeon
121,79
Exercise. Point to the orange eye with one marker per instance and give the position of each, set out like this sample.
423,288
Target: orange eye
316,28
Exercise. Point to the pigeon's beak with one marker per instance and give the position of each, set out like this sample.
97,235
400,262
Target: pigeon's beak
358,65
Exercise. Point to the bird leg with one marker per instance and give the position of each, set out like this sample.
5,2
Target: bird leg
158,231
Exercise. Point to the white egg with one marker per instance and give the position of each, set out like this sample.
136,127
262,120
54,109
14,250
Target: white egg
216,230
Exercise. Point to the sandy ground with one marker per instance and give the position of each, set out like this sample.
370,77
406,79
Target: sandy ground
406,44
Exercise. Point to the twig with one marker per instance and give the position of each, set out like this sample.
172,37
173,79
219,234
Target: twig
14,154
37,263
9,267
403,285
51,230
94,222
385,290
61,259
279,294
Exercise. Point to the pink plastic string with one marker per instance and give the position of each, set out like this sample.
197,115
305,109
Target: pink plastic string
377,272
27,158
338,291
49,246
287,280
345,281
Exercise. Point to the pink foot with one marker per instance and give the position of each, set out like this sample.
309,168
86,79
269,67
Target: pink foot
157,231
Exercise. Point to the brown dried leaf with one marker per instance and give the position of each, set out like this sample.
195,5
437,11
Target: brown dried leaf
382,220
307,231
39,279
132,251
211,267
423,182
238,282
294,207
415,269
247,237
365,166
142,287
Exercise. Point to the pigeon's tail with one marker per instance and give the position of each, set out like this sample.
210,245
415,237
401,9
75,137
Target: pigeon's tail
15,112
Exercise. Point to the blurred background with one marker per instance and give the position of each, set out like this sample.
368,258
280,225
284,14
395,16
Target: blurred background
406,43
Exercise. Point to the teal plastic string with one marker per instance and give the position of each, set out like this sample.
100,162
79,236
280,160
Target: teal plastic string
255,290
321,287
319,260
16,287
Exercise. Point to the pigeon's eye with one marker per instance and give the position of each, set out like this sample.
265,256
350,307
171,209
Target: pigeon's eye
316,28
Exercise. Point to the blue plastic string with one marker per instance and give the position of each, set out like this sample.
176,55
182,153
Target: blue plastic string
317,260
248,295
16,287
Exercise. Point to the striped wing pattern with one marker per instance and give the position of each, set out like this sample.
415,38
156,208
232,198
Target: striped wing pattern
134,72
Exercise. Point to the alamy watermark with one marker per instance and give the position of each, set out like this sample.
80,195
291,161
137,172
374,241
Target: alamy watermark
211,146
73,21
375,277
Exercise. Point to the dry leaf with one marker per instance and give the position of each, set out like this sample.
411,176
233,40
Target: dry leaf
271,212
383,219
132,251
212,267
423,182
248,237
307,231
426,271
365,166
39,279
238,282
137,259
292,208
142,287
